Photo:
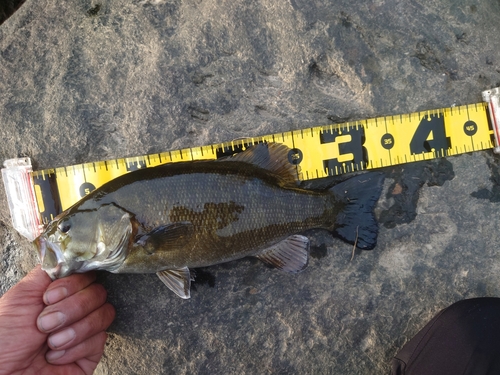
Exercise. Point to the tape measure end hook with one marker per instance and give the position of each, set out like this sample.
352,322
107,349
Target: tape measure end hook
492,97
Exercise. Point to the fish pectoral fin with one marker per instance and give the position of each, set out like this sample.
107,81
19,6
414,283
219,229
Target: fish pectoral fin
290,255
271,156
166,237
177,280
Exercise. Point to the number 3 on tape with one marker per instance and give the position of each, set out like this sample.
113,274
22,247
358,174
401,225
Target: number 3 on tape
319,151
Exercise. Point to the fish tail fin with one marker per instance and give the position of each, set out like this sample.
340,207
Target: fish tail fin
356,223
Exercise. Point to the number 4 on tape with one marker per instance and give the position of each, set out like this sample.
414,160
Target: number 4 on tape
37,197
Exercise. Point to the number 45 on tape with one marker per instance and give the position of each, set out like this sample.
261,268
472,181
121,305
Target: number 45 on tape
36,197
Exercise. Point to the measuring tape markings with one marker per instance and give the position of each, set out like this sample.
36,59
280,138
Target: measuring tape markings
320,151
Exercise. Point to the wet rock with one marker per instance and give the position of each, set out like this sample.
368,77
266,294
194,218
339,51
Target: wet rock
92,80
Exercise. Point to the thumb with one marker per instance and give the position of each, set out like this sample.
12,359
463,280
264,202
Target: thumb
33,285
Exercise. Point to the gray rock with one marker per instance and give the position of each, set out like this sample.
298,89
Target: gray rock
87,80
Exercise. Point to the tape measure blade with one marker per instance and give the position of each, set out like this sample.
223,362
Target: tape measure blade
319,151
47,194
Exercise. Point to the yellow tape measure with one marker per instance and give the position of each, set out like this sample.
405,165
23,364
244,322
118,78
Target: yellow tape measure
320,151
35,198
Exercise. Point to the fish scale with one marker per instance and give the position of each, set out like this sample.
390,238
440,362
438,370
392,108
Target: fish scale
174,217
267,215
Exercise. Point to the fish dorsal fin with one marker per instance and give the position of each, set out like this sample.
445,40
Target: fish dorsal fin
166,237
290,255
271,156
177,280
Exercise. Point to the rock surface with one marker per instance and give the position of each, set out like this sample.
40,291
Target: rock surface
94,80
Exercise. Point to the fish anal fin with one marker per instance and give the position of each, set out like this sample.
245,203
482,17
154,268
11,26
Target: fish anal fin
273,157
177,280
166,237
290,255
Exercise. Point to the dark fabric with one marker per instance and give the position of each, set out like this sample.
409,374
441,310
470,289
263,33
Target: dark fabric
463,339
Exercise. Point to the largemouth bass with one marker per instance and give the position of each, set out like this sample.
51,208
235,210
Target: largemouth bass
174,217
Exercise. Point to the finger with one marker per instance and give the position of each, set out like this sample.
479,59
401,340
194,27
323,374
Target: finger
30,288
36,279
71,309
67,286
97,321
90,349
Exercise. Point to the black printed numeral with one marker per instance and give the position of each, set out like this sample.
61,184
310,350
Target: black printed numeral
430,136
355,147
135,165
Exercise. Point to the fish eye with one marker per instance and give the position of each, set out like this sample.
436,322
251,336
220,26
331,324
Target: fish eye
64,226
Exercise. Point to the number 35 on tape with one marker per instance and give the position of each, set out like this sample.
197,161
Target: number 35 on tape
319,151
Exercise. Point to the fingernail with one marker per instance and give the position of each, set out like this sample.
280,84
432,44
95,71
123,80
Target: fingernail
62,338
54,354
50,321
55,295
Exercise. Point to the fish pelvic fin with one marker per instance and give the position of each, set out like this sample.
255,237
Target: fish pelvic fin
177,280
357,224
290,255
273,157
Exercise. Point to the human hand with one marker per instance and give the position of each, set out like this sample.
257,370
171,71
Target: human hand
53,327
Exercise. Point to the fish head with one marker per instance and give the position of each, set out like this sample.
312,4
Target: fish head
81,240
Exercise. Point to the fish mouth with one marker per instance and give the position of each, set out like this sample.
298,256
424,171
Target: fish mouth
51,257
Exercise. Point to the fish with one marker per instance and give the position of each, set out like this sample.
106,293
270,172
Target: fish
175,217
